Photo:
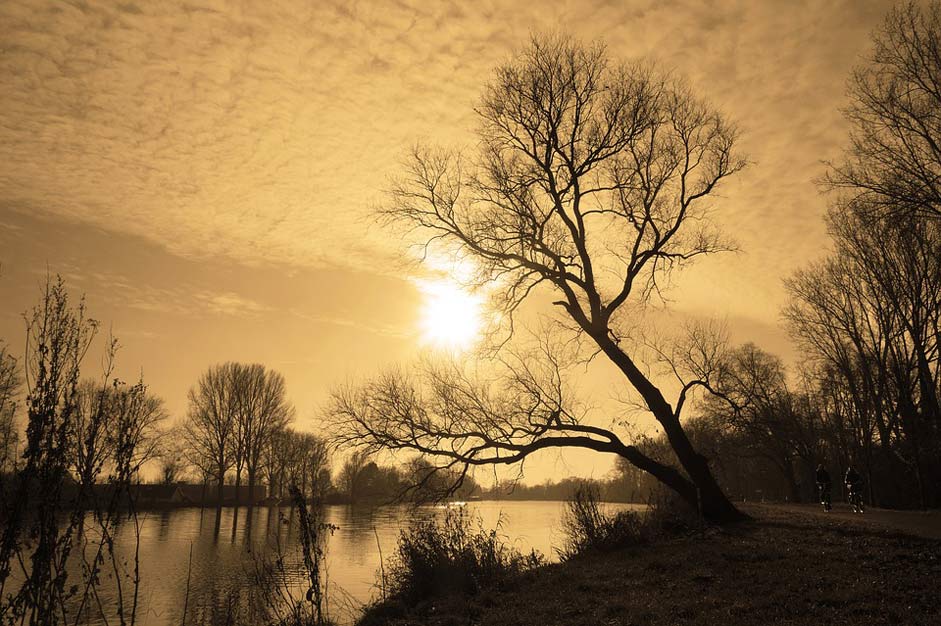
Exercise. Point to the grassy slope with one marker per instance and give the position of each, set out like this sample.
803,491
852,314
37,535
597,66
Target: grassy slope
782,568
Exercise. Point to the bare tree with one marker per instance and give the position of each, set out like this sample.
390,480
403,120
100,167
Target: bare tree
137,414
58,337
348,479
211,422
10,382
111,409
893,164
869,317
277,461
42,520
93,429
237,440
299,460
171,469
592,181
757,403
262,409
884,277
173,461
313,460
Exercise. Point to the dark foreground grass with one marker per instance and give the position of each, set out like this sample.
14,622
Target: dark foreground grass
780,568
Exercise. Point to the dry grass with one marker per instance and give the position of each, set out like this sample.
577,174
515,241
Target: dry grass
454,556
589,528
781,568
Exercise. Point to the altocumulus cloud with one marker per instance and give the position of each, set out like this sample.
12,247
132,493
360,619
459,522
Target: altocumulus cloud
258,131
264,131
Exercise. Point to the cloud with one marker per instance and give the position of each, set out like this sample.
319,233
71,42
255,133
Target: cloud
229,303
387,330
263,132
118,289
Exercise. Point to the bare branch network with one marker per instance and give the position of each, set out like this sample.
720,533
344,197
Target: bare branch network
592,180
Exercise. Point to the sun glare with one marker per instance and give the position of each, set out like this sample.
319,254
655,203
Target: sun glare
451,317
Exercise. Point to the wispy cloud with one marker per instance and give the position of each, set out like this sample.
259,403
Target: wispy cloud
373,327
117,289
228,303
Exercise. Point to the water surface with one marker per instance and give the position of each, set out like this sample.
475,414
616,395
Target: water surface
198,558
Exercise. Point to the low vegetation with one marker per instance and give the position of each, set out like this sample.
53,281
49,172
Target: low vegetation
589,528
453,556
778,568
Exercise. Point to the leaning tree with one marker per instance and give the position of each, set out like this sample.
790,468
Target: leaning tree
591,180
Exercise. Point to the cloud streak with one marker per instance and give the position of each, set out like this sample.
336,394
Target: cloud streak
120,290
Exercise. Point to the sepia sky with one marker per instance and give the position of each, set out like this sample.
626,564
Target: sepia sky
206,172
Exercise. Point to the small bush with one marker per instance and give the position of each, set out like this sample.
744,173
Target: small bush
668,514
452,556
589,529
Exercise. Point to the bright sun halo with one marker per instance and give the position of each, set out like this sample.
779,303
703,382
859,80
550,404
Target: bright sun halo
450,315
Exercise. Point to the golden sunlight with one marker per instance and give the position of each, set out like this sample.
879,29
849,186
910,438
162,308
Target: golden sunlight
451,317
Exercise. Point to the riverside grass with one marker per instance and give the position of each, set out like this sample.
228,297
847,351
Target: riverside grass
779,568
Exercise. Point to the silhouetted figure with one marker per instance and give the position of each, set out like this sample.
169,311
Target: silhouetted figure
854,491
824,486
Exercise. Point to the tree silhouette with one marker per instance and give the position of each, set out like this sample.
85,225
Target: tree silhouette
893,163
591,181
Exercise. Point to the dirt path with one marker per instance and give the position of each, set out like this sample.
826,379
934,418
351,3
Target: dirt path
917,523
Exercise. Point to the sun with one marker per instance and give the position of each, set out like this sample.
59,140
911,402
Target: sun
451,316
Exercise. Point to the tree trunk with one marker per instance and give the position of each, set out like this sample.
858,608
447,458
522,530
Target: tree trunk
791,481
238,485
664,473
219,490
251,486
709,498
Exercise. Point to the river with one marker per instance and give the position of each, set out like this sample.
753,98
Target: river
195,558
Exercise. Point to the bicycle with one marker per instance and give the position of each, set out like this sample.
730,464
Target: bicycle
854,496
824,490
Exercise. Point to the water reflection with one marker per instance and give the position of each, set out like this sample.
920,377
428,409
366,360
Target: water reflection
232,547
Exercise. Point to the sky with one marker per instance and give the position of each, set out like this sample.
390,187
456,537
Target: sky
207,173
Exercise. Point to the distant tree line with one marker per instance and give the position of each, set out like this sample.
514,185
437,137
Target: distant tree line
104,421
237,427
237,430
361,479
611,489
768,446
868,317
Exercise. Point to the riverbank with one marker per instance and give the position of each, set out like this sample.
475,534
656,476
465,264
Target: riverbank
784,567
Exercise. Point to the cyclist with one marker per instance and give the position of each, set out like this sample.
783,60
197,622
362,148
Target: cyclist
854,489
823,486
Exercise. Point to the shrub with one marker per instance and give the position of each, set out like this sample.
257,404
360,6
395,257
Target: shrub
588,528
451,556
668,514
